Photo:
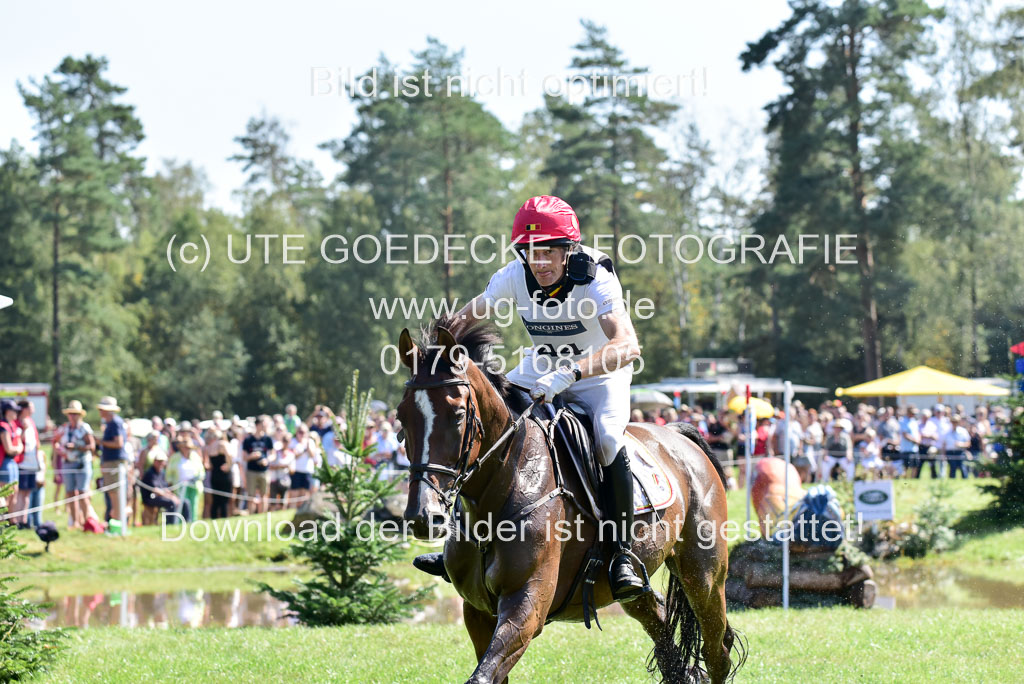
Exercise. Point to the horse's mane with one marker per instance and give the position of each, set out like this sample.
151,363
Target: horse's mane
478,338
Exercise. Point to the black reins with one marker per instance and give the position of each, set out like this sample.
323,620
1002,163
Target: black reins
463,470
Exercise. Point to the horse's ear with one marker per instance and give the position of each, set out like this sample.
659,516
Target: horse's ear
451,349
407,350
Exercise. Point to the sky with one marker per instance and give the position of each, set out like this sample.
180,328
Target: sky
197,71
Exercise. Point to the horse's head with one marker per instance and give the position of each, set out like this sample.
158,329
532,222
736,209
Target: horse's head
440,417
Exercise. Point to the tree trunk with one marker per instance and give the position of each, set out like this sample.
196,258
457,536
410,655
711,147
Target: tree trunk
864,251
56,308
448,209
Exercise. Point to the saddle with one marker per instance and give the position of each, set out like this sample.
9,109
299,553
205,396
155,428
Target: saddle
569,428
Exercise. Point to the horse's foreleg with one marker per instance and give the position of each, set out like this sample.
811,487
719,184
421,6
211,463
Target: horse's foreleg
520,618
480,625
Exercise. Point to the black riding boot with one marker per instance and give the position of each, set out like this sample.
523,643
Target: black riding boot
432,564
618,485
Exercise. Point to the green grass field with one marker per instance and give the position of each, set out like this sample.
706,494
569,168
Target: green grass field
146,549
825,645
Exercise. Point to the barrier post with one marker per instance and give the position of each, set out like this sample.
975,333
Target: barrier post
122,496
787,399
750,449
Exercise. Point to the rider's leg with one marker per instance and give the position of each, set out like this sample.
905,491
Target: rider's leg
608,399
432,564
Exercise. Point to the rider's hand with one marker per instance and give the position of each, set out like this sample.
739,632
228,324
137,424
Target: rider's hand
553,383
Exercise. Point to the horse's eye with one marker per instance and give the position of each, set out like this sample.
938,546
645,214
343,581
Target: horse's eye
460,415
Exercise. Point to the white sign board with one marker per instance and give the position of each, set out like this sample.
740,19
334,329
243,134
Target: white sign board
874,500
37,393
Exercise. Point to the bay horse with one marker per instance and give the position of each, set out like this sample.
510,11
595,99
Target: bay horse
461,443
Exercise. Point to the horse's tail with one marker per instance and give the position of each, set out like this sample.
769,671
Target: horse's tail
683,631
691,432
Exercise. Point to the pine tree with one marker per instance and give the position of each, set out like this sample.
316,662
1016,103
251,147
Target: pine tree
1008,468
23,651
844,155
88,175
348,586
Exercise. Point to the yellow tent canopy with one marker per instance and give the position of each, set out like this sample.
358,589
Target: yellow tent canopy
762,409
922,381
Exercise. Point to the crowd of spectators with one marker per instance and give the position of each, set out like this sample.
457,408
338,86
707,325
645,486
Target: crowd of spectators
831,442
221,467
212,468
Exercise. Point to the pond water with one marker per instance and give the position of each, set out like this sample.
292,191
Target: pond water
941,587
230,600
201,599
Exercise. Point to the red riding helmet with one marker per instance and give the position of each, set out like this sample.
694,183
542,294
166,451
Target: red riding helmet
545,219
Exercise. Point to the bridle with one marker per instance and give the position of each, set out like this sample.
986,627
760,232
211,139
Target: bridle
474,428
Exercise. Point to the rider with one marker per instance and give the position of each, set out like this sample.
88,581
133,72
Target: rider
584,344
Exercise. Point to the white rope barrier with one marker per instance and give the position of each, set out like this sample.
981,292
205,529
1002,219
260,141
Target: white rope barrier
54,504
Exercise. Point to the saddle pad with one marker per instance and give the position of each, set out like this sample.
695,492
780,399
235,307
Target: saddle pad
651,479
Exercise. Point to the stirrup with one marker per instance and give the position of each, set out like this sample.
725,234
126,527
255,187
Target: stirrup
628,585
432,564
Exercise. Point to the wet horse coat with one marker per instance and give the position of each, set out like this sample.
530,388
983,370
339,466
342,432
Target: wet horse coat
454,413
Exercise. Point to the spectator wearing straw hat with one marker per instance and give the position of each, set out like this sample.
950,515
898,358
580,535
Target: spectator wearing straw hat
78,446
112,453
11,447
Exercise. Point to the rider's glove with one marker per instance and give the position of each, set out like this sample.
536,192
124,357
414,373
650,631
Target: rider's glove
553,383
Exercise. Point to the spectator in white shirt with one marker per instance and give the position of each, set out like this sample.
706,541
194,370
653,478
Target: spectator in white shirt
387,444
307,460
954,444
929,449
910,442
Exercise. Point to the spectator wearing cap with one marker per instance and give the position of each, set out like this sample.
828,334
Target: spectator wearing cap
156,491
31,470
838,451
11,448
321,423
112,453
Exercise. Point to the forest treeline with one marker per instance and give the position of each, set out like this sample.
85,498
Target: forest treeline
899,124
